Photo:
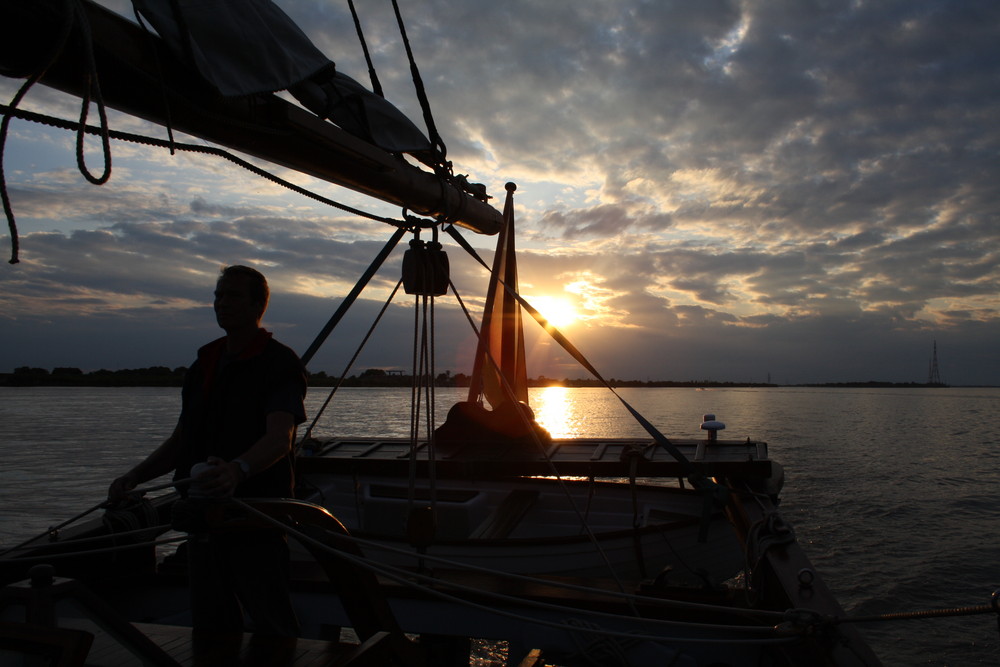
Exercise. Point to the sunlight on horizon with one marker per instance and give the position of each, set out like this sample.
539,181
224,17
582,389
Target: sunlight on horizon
559,312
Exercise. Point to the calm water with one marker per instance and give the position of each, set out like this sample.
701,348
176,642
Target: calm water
892,492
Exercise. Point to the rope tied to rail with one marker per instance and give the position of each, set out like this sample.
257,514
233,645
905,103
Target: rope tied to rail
134,516
52,533
976,610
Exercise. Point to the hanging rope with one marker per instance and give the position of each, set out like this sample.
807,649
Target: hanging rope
150,40
92,88
204,150
59,44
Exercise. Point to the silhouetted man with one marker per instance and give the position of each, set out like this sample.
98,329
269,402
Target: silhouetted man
242,399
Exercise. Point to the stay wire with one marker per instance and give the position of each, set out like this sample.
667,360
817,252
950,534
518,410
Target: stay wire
372,74
353,295
418,84
558,336
350,364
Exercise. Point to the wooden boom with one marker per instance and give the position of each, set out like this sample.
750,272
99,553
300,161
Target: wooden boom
140,77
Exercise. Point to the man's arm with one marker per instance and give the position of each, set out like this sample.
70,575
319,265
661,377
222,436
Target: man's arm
224,476
160,461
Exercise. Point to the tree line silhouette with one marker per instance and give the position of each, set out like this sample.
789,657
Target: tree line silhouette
162,376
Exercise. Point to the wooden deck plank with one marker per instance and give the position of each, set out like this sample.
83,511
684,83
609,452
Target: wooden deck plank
597,457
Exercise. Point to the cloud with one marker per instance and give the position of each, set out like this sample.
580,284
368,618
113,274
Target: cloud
808,188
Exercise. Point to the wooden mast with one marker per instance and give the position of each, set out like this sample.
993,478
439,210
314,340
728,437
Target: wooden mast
135,81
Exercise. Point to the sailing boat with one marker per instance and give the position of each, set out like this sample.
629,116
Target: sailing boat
436,535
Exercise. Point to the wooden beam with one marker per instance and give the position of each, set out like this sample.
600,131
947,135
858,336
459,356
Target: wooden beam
139,76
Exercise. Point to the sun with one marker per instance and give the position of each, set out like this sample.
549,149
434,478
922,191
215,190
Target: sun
559,312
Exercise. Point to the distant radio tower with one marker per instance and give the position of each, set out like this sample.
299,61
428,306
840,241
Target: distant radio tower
934,376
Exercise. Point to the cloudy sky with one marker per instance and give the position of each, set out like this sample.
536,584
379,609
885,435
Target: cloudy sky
717,190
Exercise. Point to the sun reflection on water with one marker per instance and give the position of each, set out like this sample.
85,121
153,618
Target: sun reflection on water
555,411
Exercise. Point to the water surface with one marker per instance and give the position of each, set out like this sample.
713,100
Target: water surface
892,492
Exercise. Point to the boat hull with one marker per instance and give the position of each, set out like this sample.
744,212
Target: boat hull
630,532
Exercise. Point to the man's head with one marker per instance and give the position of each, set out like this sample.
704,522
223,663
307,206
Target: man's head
241,297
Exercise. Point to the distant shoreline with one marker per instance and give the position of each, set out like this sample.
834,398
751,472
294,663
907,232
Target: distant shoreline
160,376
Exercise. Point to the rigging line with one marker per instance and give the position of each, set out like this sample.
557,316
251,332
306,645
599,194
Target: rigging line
431,386
92,87
424,389
100,505
761,614
89,552
350,364
59,46
414,409
418,83
169,124
407,578
163,528
195,148
917,615
660,439
352,297
376,85
54,529
429,379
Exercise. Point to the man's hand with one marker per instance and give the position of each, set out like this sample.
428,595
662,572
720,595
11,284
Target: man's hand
118,491
219,479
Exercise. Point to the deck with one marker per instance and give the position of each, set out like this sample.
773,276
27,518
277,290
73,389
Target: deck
584,457
246,650
180,646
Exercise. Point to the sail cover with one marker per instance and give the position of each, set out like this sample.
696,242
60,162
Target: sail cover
500,357
247,47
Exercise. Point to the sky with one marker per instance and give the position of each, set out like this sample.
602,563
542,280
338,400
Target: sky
743,191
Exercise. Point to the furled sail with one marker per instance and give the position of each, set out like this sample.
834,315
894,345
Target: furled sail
247,47
500,355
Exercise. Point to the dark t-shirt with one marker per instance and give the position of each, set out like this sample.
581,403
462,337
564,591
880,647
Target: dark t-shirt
225,404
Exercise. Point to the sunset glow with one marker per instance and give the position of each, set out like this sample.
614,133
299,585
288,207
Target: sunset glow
694,199
559,312
553,410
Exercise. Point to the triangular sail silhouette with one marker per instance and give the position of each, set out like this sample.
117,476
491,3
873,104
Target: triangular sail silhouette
500,352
